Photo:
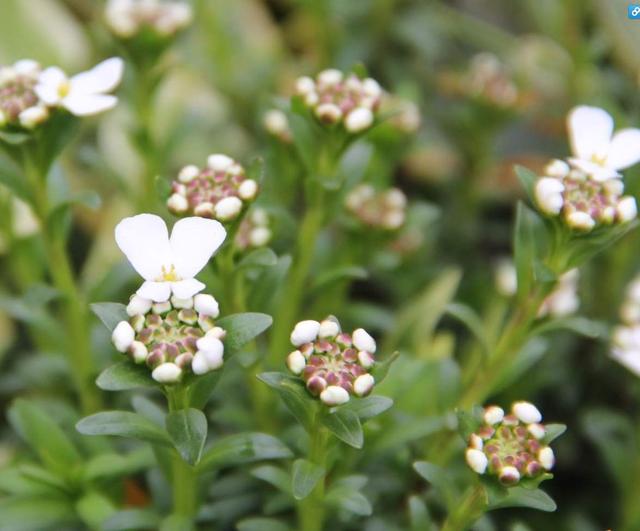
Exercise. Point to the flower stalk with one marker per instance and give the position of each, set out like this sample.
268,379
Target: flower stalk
472,507
311,510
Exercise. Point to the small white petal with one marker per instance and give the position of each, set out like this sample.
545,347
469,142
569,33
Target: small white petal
219,162
138,306
334,396
363,384
206,305
166,373
88,104
363,341
493,415
590,130
276,122
102,78
122,336
624,150
50,81
527,412
217,332
156,291
296,362
228,208
248,189
199,364
358,120
160,308
184,289
546,458
26,67
193,241
476,460
305,332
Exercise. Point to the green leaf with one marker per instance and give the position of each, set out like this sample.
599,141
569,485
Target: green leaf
110,465
22,482
468,317
345,425
579,325
261,524
381,368
438,479
263,257
125,375
368,407
255,169
305,475
269,282
521,497
349,500
331,276
188,430
242,328
294,395
14,138
132,519
110,313
122,424
202,388
526,248
149,409
274,476
46,438
469,422
94,508
552,432
163,188
243,448
528,180
419,515
177,522
31,513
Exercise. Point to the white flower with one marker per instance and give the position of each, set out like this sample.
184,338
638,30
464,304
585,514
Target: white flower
123,336
363,341
596,149
305,85
334,395
168,265
477,460
167,373
305,332
85,93
358,120
329,112
527,412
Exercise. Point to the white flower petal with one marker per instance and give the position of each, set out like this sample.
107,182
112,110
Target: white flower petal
193,242
88,104
185,289
156,291
49,82
102,78
624,150
590,130
144,240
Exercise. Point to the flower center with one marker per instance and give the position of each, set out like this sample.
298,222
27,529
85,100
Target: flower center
599,158
63,89
168,274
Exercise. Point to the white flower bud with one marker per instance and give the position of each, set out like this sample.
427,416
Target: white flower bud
366,359
363,384
305,85
3,119
276,122
161,307
627,209
527,412
334,395
259,236
304,332
311,99
188,173
580,221
33,116
393,219
475,441
557,168
182,303
329,113
138,306
506,278
167,373
177,203
217,332
228,208
536,430
329,328
358,120
395,198
329,77
548,194
363,341
546,458
509,475
493,415
138,351
296,362
209,357
27,67
204,209
248,189
371,88
219,162
122,336
476,460
613,186
209,343
206,304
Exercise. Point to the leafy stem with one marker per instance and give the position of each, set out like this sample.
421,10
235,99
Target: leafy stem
311,509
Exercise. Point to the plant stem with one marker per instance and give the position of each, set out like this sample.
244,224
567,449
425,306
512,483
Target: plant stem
184,479
74,306
311,510
472,507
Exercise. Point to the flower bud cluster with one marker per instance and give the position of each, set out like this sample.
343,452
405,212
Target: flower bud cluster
276,123
254,230
19,104
625,347
126,18
385,209
404,114
172,337
333,364
582,202
338,98
511,446
220,190
489,79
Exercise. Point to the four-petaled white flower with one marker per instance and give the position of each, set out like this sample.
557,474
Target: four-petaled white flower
85,93
168,265
597,150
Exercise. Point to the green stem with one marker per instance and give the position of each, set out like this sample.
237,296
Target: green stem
74,306
184,479
311,510
472,507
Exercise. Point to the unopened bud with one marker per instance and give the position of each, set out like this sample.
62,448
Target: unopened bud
334,396
304,332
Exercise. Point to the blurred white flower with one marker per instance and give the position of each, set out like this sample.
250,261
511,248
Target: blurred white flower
506,279
564,299
83,94
168,265
597,150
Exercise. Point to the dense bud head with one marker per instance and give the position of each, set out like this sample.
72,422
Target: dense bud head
172,337
384,209
127,18
221,190
20,106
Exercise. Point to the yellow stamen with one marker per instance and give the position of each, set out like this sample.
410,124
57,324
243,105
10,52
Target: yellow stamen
168,275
